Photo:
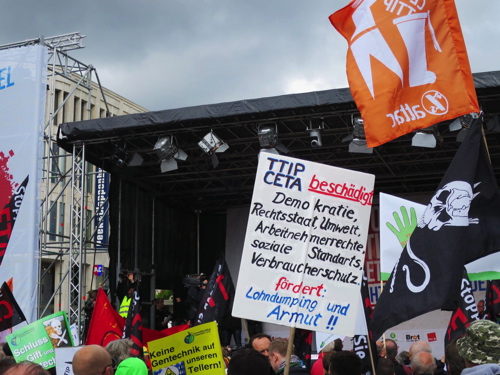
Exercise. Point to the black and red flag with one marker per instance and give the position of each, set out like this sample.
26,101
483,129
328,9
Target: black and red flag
133,325
8,215
360,342
465,313
10,312
493,300
460,224
218,297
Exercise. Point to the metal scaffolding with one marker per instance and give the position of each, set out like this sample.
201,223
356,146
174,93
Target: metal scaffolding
61,178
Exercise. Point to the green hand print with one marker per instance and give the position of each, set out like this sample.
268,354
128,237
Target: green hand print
404,229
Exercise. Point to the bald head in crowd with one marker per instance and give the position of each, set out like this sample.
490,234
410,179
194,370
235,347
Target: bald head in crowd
423,363
92,360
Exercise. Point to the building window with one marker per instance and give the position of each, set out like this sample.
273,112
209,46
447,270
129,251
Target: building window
52,221
61,218
89,228
54,164
90,178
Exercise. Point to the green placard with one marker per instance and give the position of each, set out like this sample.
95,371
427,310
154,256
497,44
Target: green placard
37,341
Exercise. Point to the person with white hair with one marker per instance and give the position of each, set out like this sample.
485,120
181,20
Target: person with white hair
423,363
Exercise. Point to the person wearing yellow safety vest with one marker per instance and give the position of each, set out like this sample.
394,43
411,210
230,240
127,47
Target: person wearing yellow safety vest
126,301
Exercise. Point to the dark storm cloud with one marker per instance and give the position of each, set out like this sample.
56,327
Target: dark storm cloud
174,53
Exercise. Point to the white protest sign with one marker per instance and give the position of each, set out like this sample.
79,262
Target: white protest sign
396,218
302,260
64,359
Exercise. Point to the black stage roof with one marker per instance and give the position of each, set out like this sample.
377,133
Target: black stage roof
399,168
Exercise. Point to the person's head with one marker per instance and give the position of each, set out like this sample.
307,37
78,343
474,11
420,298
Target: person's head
454,363
6,350
277,352
248,362
403,358
423,363
92,295
119,349
260,342
92,360
132,366
130,292
481,343
380,349
159,303
345,363
6,363
480,306
385,366
26,368
419,346
391,349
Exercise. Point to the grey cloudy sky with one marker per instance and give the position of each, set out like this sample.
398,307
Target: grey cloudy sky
175,53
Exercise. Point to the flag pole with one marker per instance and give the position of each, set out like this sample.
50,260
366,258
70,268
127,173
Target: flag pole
374,371
289,350
245,328
485,142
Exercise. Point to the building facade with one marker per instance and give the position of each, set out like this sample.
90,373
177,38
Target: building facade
68,99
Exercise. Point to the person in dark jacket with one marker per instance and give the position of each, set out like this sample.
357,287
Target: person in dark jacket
249,362
277,358
345,363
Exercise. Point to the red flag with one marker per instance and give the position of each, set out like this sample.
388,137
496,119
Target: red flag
152,334
407,65
106,324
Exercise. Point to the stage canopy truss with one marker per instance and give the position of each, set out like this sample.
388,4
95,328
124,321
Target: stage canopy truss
400,168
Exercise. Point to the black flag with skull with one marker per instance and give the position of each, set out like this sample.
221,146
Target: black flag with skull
460,224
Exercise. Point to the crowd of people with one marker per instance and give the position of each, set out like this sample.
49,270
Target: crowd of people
476,353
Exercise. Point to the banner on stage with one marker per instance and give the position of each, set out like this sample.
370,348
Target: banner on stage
188,352
302,261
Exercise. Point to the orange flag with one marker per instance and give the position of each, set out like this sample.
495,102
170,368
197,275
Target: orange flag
407,65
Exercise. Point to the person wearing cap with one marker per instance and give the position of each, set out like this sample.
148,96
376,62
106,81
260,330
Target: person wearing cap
132,366
480,348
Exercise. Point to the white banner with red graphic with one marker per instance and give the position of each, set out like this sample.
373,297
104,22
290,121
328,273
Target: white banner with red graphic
23,87
305,244
407,64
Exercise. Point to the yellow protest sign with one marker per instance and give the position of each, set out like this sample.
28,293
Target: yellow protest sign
194,351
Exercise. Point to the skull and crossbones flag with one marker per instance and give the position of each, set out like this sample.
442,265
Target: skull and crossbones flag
460,224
